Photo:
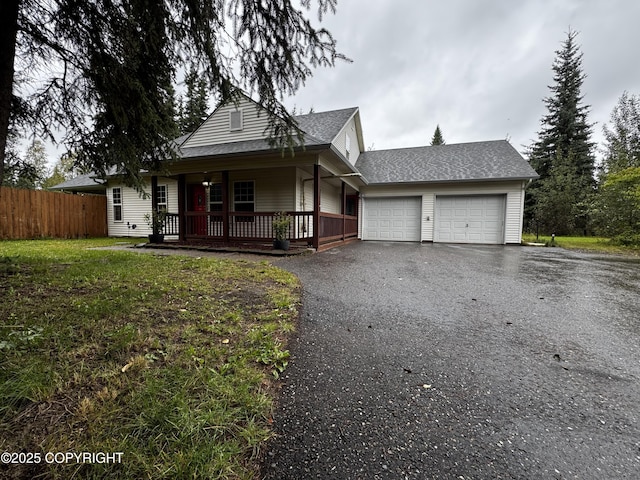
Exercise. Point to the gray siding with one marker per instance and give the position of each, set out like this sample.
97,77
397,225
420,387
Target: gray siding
134,208
340,142
274,188
216,129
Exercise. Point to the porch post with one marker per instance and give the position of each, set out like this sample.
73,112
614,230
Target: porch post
154,193
316,206
154,202
225,206
343,197
182,219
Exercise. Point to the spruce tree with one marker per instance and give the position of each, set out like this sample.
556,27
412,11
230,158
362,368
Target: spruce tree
193,109
103,72
565,135
623,136
437,137
616,209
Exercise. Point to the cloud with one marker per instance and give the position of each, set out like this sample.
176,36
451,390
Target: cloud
479,69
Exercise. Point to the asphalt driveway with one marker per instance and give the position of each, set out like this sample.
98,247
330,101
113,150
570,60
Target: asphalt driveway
461,362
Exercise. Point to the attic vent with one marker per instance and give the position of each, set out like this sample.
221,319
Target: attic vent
235,120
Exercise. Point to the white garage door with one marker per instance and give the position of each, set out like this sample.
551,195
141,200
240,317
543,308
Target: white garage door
470,219
392,219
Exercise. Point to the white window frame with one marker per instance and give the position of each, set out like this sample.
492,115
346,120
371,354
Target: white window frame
215,203
117,205
244,202
239,121
162,205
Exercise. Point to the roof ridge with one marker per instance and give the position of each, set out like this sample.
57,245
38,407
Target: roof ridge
326,111
437,146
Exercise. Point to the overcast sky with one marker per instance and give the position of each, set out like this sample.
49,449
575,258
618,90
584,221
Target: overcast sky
479,68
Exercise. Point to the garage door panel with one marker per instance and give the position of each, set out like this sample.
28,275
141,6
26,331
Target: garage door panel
470,219
398,219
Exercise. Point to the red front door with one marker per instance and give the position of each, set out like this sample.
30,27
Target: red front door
199,204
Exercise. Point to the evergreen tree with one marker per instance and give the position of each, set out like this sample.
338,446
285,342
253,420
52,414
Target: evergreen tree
12,163
565,135
617,207
558,205
103,71
437,137
29,172
193,109
623,137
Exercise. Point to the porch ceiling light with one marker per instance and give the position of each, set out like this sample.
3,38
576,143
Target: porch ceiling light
206,182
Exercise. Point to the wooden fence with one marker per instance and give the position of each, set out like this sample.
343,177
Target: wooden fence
28,214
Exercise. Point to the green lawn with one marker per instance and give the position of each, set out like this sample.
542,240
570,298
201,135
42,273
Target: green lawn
170,360
593,244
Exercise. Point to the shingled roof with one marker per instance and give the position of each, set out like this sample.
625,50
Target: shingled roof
477,161
86,183
319,129
325,126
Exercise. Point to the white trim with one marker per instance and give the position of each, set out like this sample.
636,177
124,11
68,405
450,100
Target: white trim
233,194
166,196
119,204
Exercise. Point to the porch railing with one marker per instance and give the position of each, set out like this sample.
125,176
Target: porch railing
337,227
171,224
257,226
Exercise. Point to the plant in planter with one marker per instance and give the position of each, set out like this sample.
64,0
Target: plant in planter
156,221
281,222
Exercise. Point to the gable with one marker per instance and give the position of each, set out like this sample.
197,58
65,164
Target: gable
232,122
349,141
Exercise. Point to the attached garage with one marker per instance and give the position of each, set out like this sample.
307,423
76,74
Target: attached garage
392,219
470,219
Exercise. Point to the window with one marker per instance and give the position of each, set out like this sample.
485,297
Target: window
243,199
215,197
215,200
161,198
347,145
235,120
117,204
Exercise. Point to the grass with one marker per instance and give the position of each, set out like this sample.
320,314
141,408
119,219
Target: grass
172,361
591,244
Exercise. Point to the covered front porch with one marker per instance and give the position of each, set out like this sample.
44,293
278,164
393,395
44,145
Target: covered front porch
224,209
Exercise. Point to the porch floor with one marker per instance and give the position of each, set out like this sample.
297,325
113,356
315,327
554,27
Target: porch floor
239,247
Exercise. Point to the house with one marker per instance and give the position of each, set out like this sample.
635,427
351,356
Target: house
228,183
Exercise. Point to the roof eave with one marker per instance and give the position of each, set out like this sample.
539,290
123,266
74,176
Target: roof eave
250,153
461,180
346,162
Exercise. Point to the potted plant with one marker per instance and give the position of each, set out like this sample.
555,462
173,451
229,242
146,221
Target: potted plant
281,222
156,221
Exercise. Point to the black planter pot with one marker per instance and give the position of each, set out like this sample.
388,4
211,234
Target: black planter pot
281,245
156,238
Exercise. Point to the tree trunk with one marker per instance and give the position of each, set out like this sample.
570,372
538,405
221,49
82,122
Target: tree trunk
8,32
